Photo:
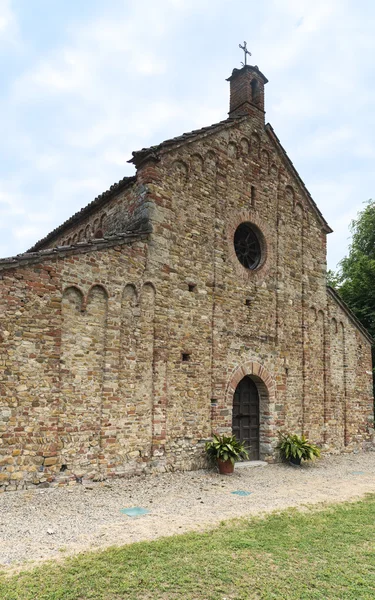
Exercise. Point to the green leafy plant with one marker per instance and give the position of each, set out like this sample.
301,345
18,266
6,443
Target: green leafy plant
224,447
295,448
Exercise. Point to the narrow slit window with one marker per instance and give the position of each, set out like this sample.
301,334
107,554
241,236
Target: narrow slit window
185,357
252,197
254,91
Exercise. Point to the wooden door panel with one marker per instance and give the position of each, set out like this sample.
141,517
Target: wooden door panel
245,420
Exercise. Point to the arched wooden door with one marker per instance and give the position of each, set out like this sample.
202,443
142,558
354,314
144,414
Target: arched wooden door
245,420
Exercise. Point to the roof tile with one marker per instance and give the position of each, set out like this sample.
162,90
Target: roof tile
109,240
96,203
140,155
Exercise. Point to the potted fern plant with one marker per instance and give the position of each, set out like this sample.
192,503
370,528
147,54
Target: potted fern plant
294,449
226,451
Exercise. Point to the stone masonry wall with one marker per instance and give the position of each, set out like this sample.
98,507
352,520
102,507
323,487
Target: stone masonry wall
276,317
122,358
126,210
65,334
349,404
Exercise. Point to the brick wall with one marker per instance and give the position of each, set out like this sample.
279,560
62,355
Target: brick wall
66,336
123,211
123,357
276,317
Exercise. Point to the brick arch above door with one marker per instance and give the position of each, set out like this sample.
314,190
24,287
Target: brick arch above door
258,371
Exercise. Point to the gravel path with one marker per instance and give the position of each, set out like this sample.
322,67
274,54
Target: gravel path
46,524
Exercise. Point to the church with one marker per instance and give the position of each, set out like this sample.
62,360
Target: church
186,300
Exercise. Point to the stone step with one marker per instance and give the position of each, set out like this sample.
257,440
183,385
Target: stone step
250,464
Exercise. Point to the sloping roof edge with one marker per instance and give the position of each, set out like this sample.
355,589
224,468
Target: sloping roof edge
109,241
335,296
269,129
139,156
99,201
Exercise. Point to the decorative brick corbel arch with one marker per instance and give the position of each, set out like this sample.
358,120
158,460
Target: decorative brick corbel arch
267,398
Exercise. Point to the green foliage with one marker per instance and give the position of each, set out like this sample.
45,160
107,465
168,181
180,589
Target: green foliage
295,447
355,280
225,448
333,279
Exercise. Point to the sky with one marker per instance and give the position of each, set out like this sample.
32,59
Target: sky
86,82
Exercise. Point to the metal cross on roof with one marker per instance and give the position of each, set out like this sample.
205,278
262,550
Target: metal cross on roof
246,51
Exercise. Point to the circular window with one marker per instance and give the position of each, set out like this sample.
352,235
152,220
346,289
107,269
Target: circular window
248,246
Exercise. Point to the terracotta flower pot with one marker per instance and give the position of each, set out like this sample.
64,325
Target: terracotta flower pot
226,467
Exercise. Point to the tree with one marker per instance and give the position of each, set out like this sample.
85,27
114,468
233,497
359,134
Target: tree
333,279
355,280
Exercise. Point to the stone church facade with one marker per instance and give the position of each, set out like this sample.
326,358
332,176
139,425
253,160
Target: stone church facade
186,300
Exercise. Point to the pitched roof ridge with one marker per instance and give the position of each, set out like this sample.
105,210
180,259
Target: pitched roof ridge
139,155
124,237
271,131
98,201
333,293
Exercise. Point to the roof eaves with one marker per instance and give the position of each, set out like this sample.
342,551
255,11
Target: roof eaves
139,156
272,133
349,313
79,248
99,201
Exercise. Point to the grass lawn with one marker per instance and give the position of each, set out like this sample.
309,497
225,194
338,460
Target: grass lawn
319,554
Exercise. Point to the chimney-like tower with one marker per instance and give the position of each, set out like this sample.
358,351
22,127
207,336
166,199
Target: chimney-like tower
246,91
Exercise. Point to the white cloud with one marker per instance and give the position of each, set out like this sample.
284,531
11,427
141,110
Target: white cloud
130,43
26,233
10,206
313,15
134,73
48,161
328,140
339,240
8,22
296,28
144,120
333,194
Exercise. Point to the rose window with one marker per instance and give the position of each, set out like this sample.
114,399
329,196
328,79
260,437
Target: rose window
247,246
